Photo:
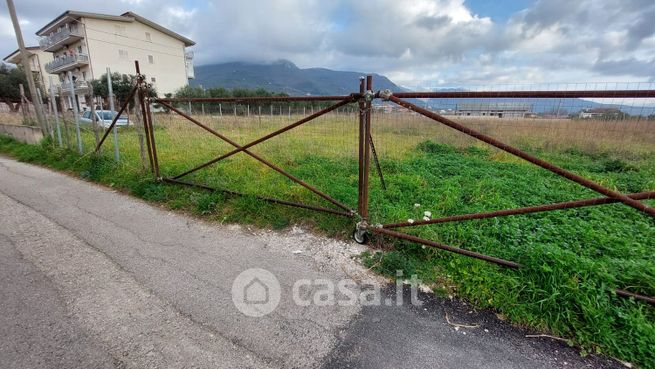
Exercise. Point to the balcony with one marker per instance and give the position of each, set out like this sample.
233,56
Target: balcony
81,87
64,36
67,62
188,63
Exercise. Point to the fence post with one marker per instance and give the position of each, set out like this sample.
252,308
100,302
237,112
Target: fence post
94,119
23,100
75,113
139,125
360,156
53,101
220,110
110,89
364,144
46,122
144,115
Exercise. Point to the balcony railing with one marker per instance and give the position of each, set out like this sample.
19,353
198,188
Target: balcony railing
48,43
78,85
66,62
188,63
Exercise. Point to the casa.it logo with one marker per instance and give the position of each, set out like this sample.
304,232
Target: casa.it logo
256,292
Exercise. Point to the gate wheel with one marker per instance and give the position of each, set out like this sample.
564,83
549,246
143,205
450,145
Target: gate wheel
361,236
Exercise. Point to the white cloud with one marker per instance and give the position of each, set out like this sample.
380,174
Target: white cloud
415,42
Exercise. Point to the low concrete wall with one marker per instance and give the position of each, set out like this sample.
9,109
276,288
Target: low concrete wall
27,134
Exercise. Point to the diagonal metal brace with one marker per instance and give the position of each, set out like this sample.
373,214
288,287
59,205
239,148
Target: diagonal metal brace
523,155
270,135
259,158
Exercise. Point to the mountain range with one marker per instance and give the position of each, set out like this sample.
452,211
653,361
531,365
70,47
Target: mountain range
284,76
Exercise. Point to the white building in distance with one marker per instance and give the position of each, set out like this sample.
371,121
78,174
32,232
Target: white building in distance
86,44
37,58
494,109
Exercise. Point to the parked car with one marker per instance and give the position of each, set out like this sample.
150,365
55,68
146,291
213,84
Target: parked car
104,118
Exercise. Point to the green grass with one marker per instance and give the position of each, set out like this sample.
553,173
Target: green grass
573,259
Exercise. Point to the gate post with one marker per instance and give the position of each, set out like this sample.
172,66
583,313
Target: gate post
368,98
360,156
144,115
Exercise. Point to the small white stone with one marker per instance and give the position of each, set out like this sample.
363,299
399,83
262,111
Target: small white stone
423,247
427,213
426,218
410,221
417,205
297,251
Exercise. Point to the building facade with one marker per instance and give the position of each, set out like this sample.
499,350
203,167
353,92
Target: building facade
600,113
83,45
494,109
37,58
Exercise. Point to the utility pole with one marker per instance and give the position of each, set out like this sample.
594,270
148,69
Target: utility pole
110,89
27,69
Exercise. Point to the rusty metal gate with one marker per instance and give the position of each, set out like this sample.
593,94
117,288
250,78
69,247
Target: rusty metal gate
367,154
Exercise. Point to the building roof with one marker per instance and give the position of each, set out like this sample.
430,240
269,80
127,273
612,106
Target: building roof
601,110
125,17
16,53
486,106
138,18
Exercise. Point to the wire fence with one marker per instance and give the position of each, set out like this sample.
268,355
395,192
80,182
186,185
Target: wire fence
309,152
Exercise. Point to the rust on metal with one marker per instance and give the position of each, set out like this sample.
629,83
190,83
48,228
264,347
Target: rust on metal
259,158
422,241
524,210
367,150
361,143
628,294
253,99
523,155
113,121
267,199
527,94
151,129
146,129
269,136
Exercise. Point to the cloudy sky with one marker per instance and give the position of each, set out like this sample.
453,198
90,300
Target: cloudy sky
417,43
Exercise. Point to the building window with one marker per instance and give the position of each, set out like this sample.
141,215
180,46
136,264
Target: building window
122,54
79,49
151,59
153,79
148,36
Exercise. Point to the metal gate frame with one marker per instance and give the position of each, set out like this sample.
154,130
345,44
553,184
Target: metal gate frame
364,98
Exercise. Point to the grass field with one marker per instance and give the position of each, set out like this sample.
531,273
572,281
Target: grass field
573,258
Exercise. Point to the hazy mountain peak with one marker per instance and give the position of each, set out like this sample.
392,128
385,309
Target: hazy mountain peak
285,63
284,76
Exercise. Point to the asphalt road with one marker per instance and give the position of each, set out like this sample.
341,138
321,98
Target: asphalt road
90,278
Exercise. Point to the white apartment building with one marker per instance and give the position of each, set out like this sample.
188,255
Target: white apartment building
37,58
86,44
